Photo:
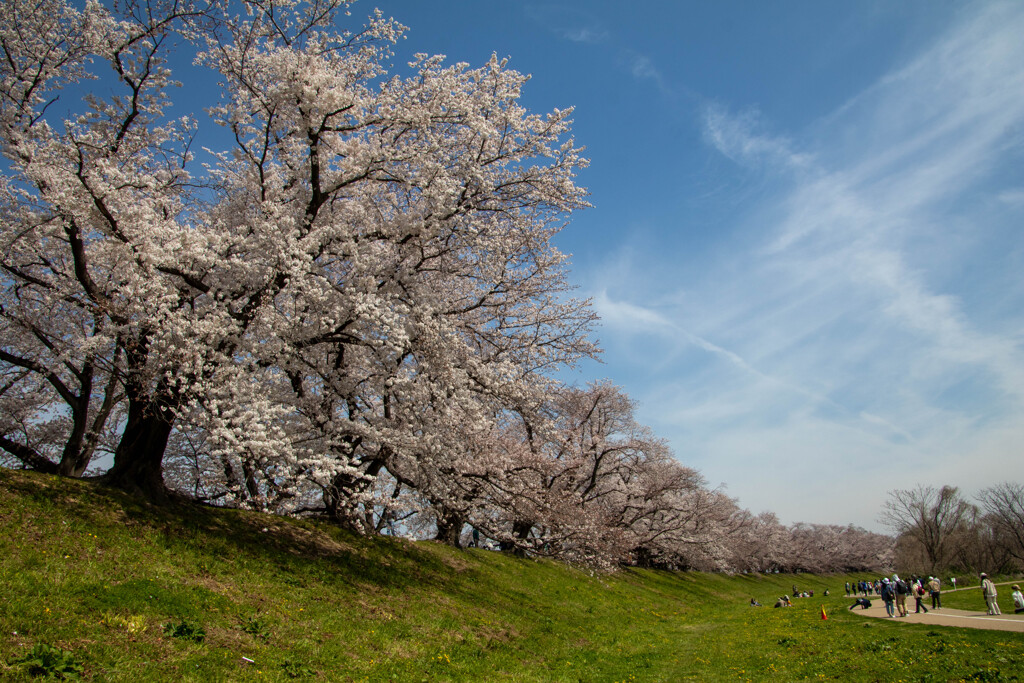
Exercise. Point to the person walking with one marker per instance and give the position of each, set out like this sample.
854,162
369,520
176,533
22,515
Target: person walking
887,596
988,589
902,590
919,592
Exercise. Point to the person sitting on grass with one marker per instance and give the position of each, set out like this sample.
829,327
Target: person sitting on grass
754,602
1018,600
783,602
863,602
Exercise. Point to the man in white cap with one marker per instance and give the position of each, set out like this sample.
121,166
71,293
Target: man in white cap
988,589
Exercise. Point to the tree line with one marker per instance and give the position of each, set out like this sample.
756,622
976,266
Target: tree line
353,308
938,529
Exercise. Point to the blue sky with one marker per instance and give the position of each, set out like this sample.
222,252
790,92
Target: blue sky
806,242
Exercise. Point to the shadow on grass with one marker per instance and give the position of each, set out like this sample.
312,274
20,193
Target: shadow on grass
304,550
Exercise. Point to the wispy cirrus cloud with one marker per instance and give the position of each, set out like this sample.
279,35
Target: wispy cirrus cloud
736,136
643,68
1012,197
583,28
585,34
568,23
872,311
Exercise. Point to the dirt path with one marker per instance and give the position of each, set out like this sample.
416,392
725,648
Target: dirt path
946,616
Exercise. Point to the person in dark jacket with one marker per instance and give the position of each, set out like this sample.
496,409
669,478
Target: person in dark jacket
863,602
888,597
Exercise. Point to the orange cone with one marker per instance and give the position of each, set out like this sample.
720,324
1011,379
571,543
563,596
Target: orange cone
824,617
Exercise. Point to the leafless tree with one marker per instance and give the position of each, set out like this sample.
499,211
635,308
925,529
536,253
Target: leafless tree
929,516
1004,505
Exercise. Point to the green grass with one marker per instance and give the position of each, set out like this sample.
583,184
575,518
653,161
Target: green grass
104,587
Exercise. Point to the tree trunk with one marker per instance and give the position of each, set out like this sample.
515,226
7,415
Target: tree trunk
81,446
520,532
73,462
343,489
138,460
449,528
28,456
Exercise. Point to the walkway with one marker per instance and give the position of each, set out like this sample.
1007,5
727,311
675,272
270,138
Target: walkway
946,616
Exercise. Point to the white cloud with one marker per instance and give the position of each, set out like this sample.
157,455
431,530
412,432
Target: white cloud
642,67
1014,197
837,344
737,138
585,34
631,317
572,25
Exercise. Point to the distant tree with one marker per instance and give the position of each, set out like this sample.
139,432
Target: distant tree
833,548
1004,505
929,517
763,545
978,546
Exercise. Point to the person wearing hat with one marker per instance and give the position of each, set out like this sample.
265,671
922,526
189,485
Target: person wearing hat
900,591
988,589
1018,600
888,597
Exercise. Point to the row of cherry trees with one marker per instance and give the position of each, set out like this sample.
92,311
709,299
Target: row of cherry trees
577,479
352,307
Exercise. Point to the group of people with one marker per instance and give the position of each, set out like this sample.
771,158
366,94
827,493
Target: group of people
988,591
991,595
894,593
919,587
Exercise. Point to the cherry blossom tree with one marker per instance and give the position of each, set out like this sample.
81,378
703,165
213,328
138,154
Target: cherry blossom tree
575,476
367,252
762,545
78,194
832,548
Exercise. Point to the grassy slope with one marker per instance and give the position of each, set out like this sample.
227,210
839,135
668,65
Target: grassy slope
99,575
